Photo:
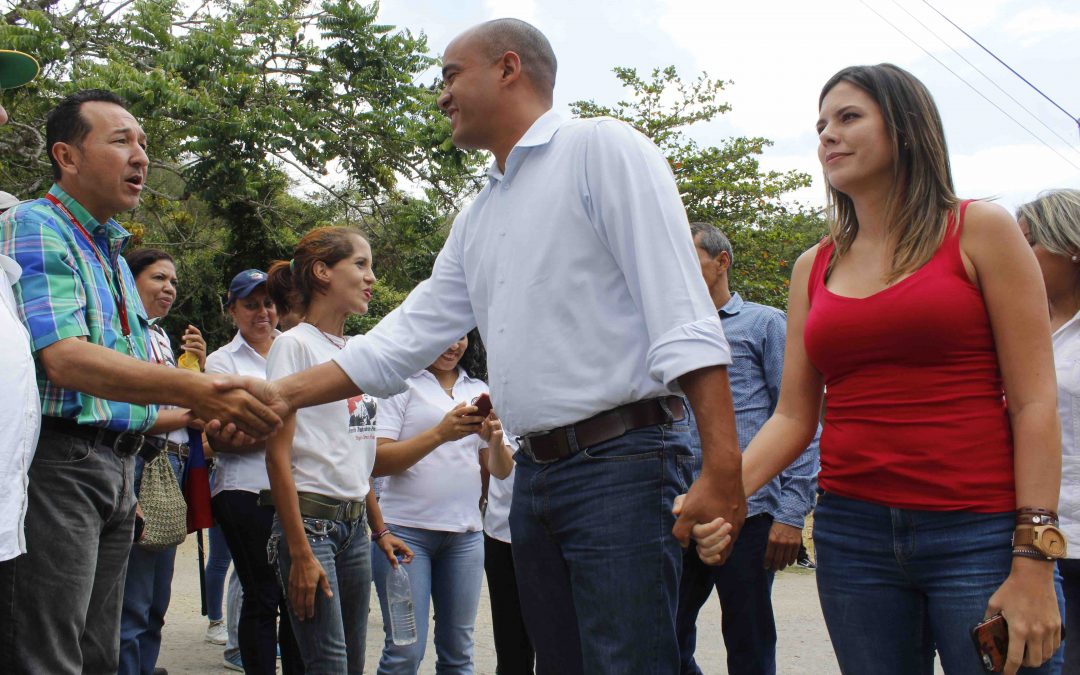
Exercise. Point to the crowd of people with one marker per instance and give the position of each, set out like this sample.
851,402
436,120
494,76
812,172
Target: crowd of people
917,395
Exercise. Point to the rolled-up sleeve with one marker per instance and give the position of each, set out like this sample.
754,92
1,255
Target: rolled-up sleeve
434,315
636,209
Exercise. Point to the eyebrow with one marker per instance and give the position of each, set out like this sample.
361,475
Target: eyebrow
449,66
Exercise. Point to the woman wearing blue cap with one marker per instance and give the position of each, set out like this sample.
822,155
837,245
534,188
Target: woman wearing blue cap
238,479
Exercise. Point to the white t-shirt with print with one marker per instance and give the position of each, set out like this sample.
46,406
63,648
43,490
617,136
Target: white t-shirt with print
442,490
334,446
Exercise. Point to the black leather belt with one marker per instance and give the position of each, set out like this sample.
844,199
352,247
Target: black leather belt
123,443
551,446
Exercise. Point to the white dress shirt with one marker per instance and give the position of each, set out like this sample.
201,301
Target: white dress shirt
577,265
442,490
1067,364
239,471
20,420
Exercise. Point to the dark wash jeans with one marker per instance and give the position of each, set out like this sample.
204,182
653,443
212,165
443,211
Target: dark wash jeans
597,567
743,586
264,618
896,585
60,601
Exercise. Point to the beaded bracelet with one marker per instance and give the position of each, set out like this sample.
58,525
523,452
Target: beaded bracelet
376,536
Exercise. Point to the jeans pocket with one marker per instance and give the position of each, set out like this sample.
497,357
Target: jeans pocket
633,447
54,448
319,528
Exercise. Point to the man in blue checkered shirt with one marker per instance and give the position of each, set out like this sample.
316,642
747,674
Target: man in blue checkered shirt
60,601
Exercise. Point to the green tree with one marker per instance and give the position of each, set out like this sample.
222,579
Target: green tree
723,185
240,100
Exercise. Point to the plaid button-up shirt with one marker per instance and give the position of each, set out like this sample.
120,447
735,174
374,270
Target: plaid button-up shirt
65,292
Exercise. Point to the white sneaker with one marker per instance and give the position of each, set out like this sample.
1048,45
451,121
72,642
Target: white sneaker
217,633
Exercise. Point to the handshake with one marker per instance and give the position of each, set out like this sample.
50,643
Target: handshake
240,410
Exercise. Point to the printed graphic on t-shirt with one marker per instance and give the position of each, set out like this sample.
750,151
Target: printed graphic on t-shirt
362,416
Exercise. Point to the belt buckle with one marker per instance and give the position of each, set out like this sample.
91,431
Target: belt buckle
525,443
123,439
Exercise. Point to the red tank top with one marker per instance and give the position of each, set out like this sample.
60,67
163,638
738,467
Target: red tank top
915,411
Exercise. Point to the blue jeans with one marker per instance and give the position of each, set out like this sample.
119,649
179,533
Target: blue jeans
147,590
1070,584
448,569
598,569
743,586
897,584
331,642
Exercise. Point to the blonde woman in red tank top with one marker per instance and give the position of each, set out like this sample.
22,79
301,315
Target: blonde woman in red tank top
925,318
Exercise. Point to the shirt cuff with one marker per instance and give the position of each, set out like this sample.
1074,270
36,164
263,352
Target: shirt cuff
687,348
789,518
367,371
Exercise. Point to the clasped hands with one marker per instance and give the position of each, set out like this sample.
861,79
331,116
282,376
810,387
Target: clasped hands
711,513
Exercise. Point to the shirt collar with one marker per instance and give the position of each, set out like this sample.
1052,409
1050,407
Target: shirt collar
110,228
461,377
238,342
540,133
732,306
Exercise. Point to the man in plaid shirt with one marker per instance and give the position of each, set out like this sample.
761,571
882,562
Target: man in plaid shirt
60,602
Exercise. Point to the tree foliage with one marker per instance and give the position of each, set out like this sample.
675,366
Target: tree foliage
723,185
240,100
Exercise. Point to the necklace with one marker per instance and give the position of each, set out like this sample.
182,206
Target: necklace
330,338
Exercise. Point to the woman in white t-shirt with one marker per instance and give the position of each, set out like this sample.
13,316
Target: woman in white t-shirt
320,461
431,445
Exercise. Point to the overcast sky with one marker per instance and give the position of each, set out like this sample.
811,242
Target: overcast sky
778,53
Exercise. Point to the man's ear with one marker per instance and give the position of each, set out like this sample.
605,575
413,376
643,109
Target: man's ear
67,156
724,260
510,63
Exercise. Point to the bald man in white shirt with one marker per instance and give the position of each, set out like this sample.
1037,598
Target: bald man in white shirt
576,263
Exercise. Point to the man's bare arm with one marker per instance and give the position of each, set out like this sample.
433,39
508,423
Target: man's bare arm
719,489
74,363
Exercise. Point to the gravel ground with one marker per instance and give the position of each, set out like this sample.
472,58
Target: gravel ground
803,645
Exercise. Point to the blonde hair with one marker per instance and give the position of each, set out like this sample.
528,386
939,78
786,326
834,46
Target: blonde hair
1053,220
922,193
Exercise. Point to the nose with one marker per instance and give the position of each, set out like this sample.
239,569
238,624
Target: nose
826,135
371,276
139,158
444,99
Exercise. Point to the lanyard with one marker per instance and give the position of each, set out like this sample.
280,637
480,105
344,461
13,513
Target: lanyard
116,280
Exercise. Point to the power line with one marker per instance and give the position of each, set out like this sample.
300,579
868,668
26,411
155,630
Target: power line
1074,118
971,86
988,78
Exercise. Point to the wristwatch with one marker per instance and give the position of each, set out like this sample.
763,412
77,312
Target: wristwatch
1040,541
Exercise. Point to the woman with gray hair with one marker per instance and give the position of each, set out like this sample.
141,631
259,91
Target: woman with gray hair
1051,224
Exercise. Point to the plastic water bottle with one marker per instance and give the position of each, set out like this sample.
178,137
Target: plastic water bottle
399,597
